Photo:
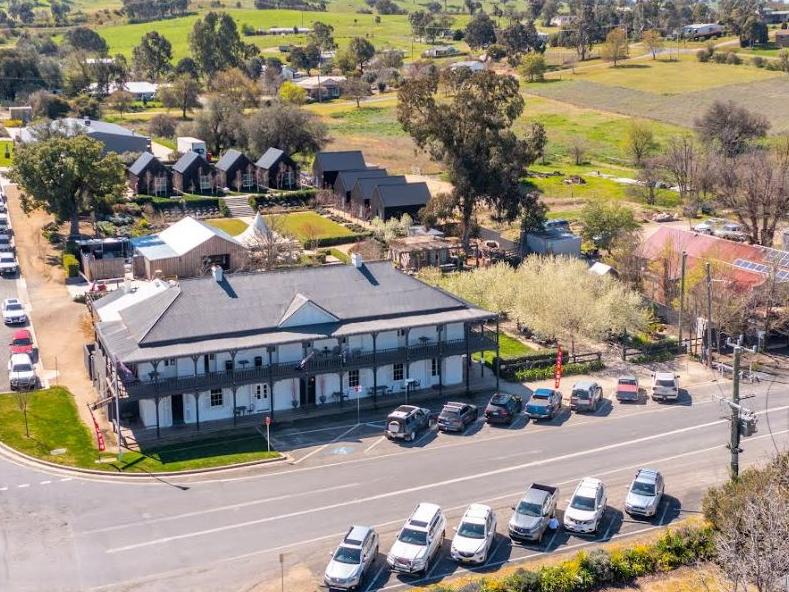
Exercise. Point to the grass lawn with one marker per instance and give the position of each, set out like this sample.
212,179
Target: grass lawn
509,348
6,147
232,226
55,424
307,226
663,77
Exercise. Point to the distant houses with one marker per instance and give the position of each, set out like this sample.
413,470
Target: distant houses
321,88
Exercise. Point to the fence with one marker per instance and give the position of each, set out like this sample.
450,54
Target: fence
692,345
549,359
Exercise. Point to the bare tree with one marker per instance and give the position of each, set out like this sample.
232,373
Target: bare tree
578,148
271,247
640,141
649,175
755,186
23,402
682,162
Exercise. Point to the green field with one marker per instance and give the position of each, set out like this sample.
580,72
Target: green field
307,226
232,226
56,426
6,152
393,31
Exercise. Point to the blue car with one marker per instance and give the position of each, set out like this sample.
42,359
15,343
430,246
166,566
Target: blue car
544,403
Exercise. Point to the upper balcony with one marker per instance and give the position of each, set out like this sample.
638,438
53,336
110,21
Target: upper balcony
316,362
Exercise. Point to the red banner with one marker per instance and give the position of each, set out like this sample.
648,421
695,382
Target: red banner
557,376
99,435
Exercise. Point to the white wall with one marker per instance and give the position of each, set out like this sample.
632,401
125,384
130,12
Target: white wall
186,367
326,384
453,370
417,332
387,340
224,411
147,412
284,392
290,352
453,331
362,342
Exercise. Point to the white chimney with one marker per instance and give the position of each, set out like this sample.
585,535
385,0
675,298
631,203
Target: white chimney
217,272
356,260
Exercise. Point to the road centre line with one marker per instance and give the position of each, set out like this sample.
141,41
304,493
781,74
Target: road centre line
180,571
322,448
216,509
426,486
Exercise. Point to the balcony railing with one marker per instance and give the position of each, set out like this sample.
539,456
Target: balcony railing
317,363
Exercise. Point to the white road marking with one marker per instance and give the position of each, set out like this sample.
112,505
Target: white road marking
553,538
315,431
217,509
322,448
45,482
374,444
663,514
417,488
3,488
375,579
608,530
65,479
23,485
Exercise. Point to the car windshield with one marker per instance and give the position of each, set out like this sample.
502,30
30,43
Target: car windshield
21,341
500,400
450,413
540,394
581,394
14,306
582,503
529,509
348,555
628,381
413,537
669,383
642,488
22,368
471,530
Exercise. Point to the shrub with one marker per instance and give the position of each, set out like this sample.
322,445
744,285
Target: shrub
733,59
719,58
757,61
702,55
298,198
567,370
598,565
646,358
71,265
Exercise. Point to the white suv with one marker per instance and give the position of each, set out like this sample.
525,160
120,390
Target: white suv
587,506
419,541
352,559
474,535
665,386
21,372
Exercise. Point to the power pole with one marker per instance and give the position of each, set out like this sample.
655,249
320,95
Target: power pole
709,315
682,295
736,410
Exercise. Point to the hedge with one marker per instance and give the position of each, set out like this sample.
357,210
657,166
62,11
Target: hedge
300,197
71,265
661,356
540,355
191,201
330,241
567,370
601,568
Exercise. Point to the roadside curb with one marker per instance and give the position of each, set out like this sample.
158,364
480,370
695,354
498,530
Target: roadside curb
31,460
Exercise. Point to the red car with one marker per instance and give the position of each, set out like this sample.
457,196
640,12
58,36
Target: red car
21,342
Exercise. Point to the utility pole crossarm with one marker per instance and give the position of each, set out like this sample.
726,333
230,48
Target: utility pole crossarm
736,408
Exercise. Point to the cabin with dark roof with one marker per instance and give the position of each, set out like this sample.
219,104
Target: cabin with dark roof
394,200
149,176
235,171
347,179
193,174
362,194
327,165
276,170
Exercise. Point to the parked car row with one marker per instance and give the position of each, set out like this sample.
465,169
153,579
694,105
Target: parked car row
419,541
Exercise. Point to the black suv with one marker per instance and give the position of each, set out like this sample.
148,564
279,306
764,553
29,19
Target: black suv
503,408
405,422
455,417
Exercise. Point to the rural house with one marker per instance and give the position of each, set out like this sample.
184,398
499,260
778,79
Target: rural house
193,174
322,88
115,138
276,170
235,171
362,193
188,248
394,200
228,346
148,176
327,165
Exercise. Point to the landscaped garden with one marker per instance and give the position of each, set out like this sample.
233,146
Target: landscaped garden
312,229
57,435
232,226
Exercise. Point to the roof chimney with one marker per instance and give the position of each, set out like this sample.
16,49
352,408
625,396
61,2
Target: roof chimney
356,260
218,273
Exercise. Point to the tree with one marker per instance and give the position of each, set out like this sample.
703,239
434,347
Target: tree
518,39
67,177
681,160
151,58
345,61
292,94
578,148
604,223
355,88
162,126
731,128
652,41
305,58
533,67
585,28
86,106
216,44
233,84
220,125
292,130
649,176
615,47
471,133
422,25
87,40
183,93
362,51
549,10
640,141
23,403
186,66
480,31
46,104
755,186
538,139
322,35
121,101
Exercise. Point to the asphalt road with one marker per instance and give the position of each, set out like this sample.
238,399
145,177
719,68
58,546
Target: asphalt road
227,533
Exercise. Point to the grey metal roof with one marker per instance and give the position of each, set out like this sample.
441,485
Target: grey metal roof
340,161
72,126
244,310
367,186
143,160
228,159
187,160
269,158
347,179
405,194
